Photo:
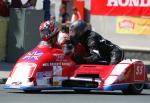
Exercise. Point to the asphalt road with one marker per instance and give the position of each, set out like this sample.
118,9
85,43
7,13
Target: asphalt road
72,97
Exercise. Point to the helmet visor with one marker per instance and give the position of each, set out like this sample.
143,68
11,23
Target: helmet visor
74,37
72,32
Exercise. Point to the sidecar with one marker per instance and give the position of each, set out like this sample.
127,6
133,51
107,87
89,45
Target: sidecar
46,68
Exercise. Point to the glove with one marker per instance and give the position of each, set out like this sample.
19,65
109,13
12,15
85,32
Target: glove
78,59
68,49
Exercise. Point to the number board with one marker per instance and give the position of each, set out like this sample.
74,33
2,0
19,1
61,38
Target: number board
139,71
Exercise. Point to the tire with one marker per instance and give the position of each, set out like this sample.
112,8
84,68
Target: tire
32,91
82,91
134,89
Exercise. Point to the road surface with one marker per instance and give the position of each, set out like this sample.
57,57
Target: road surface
15,96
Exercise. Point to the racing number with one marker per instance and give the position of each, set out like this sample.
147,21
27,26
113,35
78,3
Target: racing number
139,72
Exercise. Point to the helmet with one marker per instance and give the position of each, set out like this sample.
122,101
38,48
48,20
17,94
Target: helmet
77,29
48,30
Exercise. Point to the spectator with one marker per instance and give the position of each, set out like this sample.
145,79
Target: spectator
4,9
30,4
76,15
53,18
16,4
63,16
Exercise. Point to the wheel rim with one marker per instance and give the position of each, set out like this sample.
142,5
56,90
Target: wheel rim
138,86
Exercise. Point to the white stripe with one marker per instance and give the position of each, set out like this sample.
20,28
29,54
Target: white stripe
119,68
129,61
110,80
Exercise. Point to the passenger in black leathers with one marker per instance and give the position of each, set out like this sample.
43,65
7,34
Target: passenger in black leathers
100,50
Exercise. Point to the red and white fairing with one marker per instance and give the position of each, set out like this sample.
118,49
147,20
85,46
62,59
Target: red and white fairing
46,68
126,72
43,66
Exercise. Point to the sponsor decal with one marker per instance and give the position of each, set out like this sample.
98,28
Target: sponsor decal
59,57
120,7
56,64
43,74
130,3
126,24
60,61
57,70
16,83
47,74
39,75
57,80
52,78
56,83
133,25
33,55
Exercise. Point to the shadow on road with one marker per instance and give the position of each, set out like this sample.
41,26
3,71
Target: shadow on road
85,93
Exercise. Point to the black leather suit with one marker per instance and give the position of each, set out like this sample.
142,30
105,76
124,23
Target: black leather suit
100,50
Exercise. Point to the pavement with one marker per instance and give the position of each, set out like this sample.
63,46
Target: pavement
5,69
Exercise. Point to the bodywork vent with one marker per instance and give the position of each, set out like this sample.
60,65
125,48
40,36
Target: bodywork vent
87,75
79,83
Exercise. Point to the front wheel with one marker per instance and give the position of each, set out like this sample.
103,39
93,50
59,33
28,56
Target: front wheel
134,89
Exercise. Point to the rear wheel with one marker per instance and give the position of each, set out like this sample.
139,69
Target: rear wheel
32,91
134,89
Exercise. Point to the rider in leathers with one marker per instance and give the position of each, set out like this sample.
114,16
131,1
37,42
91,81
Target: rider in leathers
99,50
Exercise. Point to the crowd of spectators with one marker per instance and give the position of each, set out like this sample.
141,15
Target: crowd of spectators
63,15
6,4
65,18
